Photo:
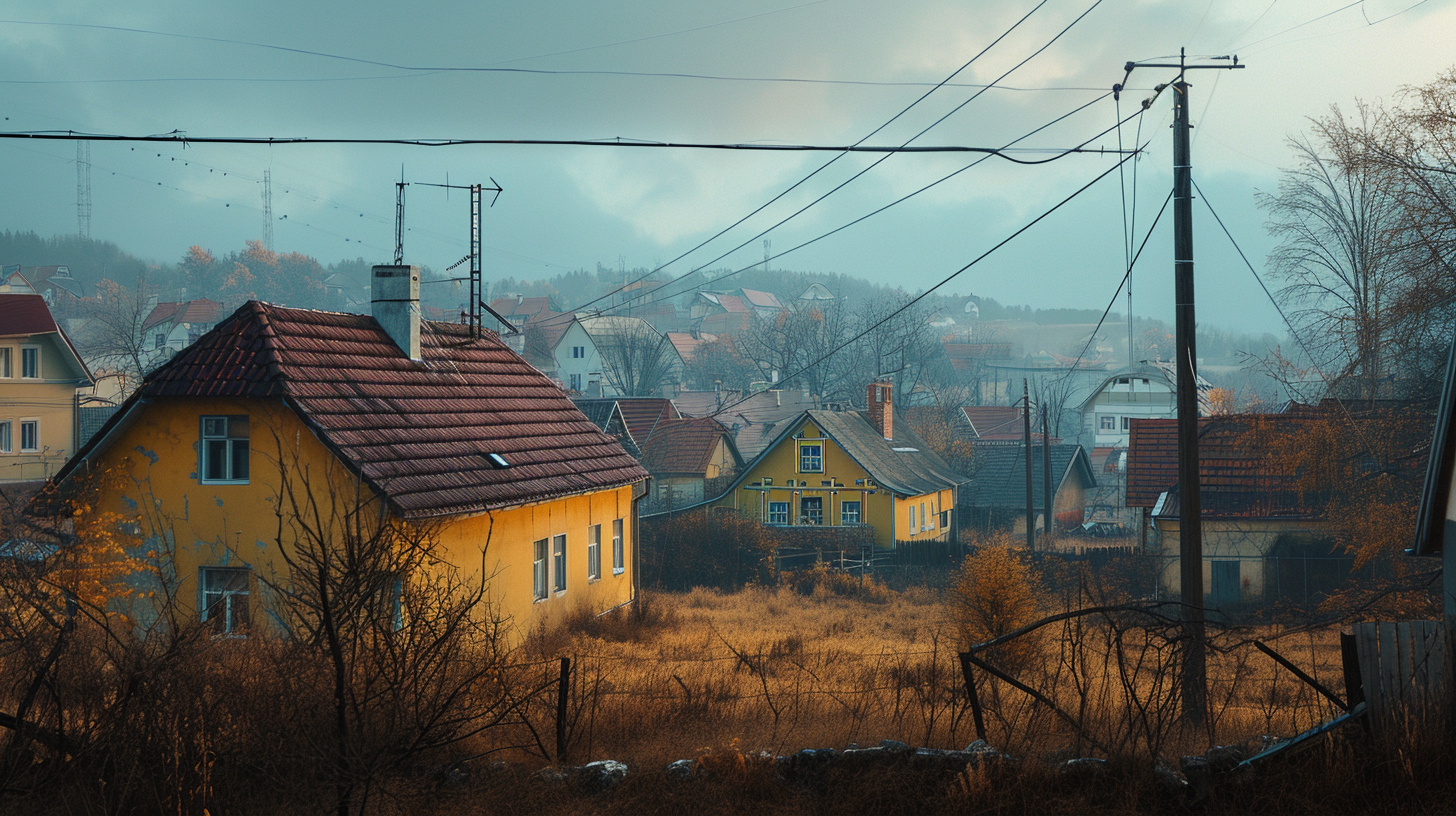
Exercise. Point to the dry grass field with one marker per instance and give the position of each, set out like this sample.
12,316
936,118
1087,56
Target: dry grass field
778,669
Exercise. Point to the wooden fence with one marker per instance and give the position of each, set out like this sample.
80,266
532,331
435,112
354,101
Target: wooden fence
1402,669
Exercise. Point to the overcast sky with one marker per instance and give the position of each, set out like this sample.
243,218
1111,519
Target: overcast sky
264,68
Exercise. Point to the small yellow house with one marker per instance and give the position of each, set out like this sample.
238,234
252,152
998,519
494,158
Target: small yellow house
40,372
278,415
841,470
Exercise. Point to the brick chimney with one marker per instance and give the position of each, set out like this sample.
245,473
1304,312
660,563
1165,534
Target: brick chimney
882,415
395,304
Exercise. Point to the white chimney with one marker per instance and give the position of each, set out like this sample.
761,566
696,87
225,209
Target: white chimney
395,303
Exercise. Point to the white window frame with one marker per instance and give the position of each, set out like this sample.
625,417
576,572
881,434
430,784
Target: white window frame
619,561
558,562
1127,423
846,517
229,448
34,425
805,512
5,439
912,518
594,553
924,519
6,363
540,581
811,463
776,516
37,374
1106,423
230,625
574,382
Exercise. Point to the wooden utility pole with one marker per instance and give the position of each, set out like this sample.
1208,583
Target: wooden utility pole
1048,505
1190,517
1026,446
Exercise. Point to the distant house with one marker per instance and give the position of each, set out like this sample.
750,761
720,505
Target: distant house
1262,536
53,283
418,422
814,294
687,343
995,498
850,477
765,304
684,457
40,373
520,309
591,351
753,419
171,327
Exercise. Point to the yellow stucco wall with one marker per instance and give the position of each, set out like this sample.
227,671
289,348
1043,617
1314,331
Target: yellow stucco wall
889,514
48,400
204,525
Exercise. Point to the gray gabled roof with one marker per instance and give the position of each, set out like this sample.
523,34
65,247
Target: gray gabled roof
903,465
1000,479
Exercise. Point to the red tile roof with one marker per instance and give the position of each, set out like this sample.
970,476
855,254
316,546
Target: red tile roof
726,322
732,303
761,300
993,421
644,414
686,344
418,432
1237,474
25,314
683,446
201,310
1152,460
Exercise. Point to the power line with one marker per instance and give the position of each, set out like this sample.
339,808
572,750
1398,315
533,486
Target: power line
817,170
181,137
868,215
922,132
552,72
952,276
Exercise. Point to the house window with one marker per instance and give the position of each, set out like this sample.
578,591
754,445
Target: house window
558,561
30,363
849,512
538,571
578,352
912,518
944,519
5,437
29,435
619,562
161,341
594,553
778,512
811,458
5,364
924,518
1107,423
1127,423
225,449
575,382
811,510
225,599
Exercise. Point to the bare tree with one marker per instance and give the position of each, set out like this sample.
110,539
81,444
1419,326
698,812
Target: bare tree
718,363
636,359
114,339
408,642
1338,219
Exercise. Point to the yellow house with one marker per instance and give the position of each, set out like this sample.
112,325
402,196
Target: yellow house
40,372
280,420
846,470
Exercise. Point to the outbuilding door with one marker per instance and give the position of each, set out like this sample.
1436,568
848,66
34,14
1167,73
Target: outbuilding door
1224,593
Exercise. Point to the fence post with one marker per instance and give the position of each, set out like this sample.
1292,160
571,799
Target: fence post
563,690
973,697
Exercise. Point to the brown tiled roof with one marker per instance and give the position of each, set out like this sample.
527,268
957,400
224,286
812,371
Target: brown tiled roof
643,414
761,300
25,314
726,322
1152,460
686,344
1237,475
418,432
683,446
994,420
